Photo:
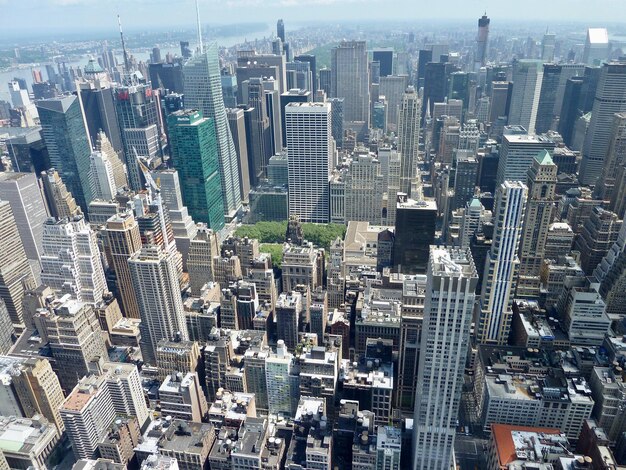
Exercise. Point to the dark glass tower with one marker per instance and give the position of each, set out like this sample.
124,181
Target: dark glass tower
65,135
547,97
385,57
415,232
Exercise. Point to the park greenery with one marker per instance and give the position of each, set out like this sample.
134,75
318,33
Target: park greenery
321,235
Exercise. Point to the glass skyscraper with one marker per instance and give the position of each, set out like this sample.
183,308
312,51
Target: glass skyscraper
65,135
194,154
203,91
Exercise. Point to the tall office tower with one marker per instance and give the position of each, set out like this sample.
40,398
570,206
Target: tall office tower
59,200
310,59
311,153
598,234
349,80
384,56
39,390
185,50
518,152
450,293
336,112
567,71
611,274
393,88
16,275
527,79
139,119
122,242
87,413
126,391
596,46
200,260
465,178
76,341
289,307
272,104
494,311
547,97
540,208
260,130
481,42
195,157
325,80
22,191
364,189
571,108
500,100
282,393
203,92
104,146
238,130
97,101
436,78
71,262
280,30
610,98
547,47
157,288
408,138
615,158
294,95
299,75
101,173
65,135
415,232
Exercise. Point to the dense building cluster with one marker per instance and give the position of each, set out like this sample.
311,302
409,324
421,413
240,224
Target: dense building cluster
472,316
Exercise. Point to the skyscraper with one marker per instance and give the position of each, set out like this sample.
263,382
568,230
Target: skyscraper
24,194
547,97
502,265
415,232
408,138
482,42
195,155
155,279
59,200
238,131
71,263
65,135
102,181
15,272
140,121
615,158
610,98
517,153
280,29
311,153
350,81
527,78
539,213
596,46
384,56
203,91
310,59
122,242
450,293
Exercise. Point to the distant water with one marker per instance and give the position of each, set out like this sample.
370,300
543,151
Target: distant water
142,55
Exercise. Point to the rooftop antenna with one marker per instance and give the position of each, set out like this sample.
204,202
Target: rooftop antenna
199,28
126,67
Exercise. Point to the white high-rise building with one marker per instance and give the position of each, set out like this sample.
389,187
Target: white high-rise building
527,78
311,151
610,99
596,46
408,137
87,414
364,189
474,216
282,392
126,390
157,288
101,177
350,81
450,293
502,264
203,91
71,262
24,194
517,153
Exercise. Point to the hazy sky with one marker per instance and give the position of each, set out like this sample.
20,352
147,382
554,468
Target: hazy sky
31,15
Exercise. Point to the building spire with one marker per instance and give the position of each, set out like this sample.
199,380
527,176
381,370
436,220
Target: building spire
126,66
199,28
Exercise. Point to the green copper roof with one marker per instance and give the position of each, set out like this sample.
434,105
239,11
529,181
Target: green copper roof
544,158
475,202
93,67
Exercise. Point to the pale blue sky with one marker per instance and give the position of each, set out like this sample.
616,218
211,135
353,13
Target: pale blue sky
33,15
